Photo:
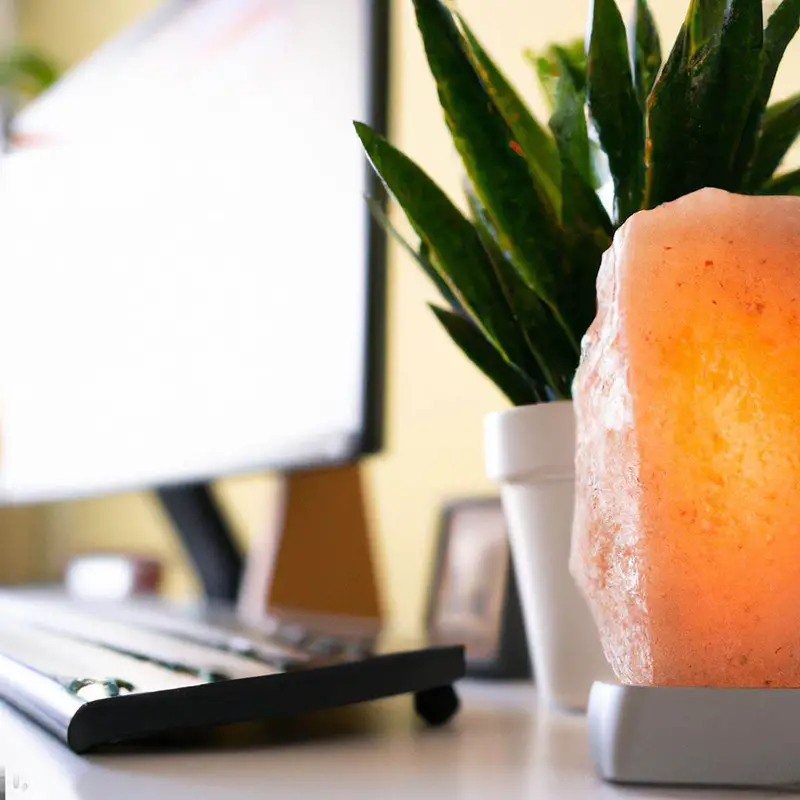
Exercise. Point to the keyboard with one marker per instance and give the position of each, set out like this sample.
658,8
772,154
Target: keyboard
100,673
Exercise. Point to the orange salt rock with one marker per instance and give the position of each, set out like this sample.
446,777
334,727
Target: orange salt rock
686,539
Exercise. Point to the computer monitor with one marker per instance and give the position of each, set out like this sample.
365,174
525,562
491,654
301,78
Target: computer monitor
191,285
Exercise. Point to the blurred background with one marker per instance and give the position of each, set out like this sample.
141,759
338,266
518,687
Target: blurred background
436,400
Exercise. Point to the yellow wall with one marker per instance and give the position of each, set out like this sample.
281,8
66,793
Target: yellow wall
436,399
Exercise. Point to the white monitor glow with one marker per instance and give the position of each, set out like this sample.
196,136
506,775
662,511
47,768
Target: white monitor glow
184,260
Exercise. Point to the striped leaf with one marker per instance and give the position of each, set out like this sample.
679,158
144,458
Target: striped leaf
582,211
668,126
587,227
782,26
457,251
534,141
646,50
570,132
514,385
787,183
554,353
704,22
525,220
700,106
614,107
728,87
779,131
556,61
422,255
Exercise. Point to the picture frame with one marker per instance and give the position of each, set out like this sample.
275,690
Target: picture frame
473,598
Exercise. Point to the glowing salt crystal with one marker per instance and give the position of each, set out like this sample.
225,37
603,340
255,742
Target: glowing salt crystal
686,538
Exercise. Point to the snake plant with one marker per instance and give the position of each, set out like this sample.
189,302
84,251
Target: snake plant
627,131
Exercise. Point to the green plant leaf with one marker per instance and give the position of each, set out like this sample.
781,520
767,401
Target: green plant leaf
422,255
583,253
588,229
556,61
725,89
585,242
614,106
534,141
700,106
520,208
487,358
581,207
779,131
787,183
569,62
545,338
23,70
571,135
583,213
457,251
782,27
668,126
646,49
548,74
704,22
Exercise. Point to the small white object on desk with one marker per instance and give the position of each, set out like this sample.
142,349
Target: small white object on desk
498,747
112,576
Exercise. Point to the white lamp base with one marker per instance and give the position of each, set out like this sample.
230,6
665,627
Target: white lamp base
696,736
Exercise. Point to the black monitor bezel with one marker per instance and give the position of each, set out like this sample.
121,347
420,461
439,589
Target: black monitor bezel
377,301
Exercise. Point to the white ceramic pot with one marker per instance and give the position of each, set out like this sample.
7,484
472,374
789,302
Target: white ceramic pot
530,455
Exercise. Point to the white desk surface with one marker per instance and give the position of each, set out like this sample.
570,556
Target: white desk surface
498,747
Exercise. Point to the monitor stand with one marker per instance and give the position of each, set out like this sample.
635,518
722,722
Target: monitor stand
316,559
206,538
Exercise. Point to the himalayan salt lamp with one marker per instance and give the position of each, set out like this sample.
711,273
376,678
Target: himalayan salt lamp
686,537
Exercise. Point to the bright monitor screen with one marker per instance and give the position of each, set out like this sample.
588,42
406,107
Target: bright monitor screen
185,264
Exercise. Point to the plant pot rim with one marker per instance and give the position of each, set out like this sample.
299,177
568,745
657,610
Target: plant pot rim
532,410
530,444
